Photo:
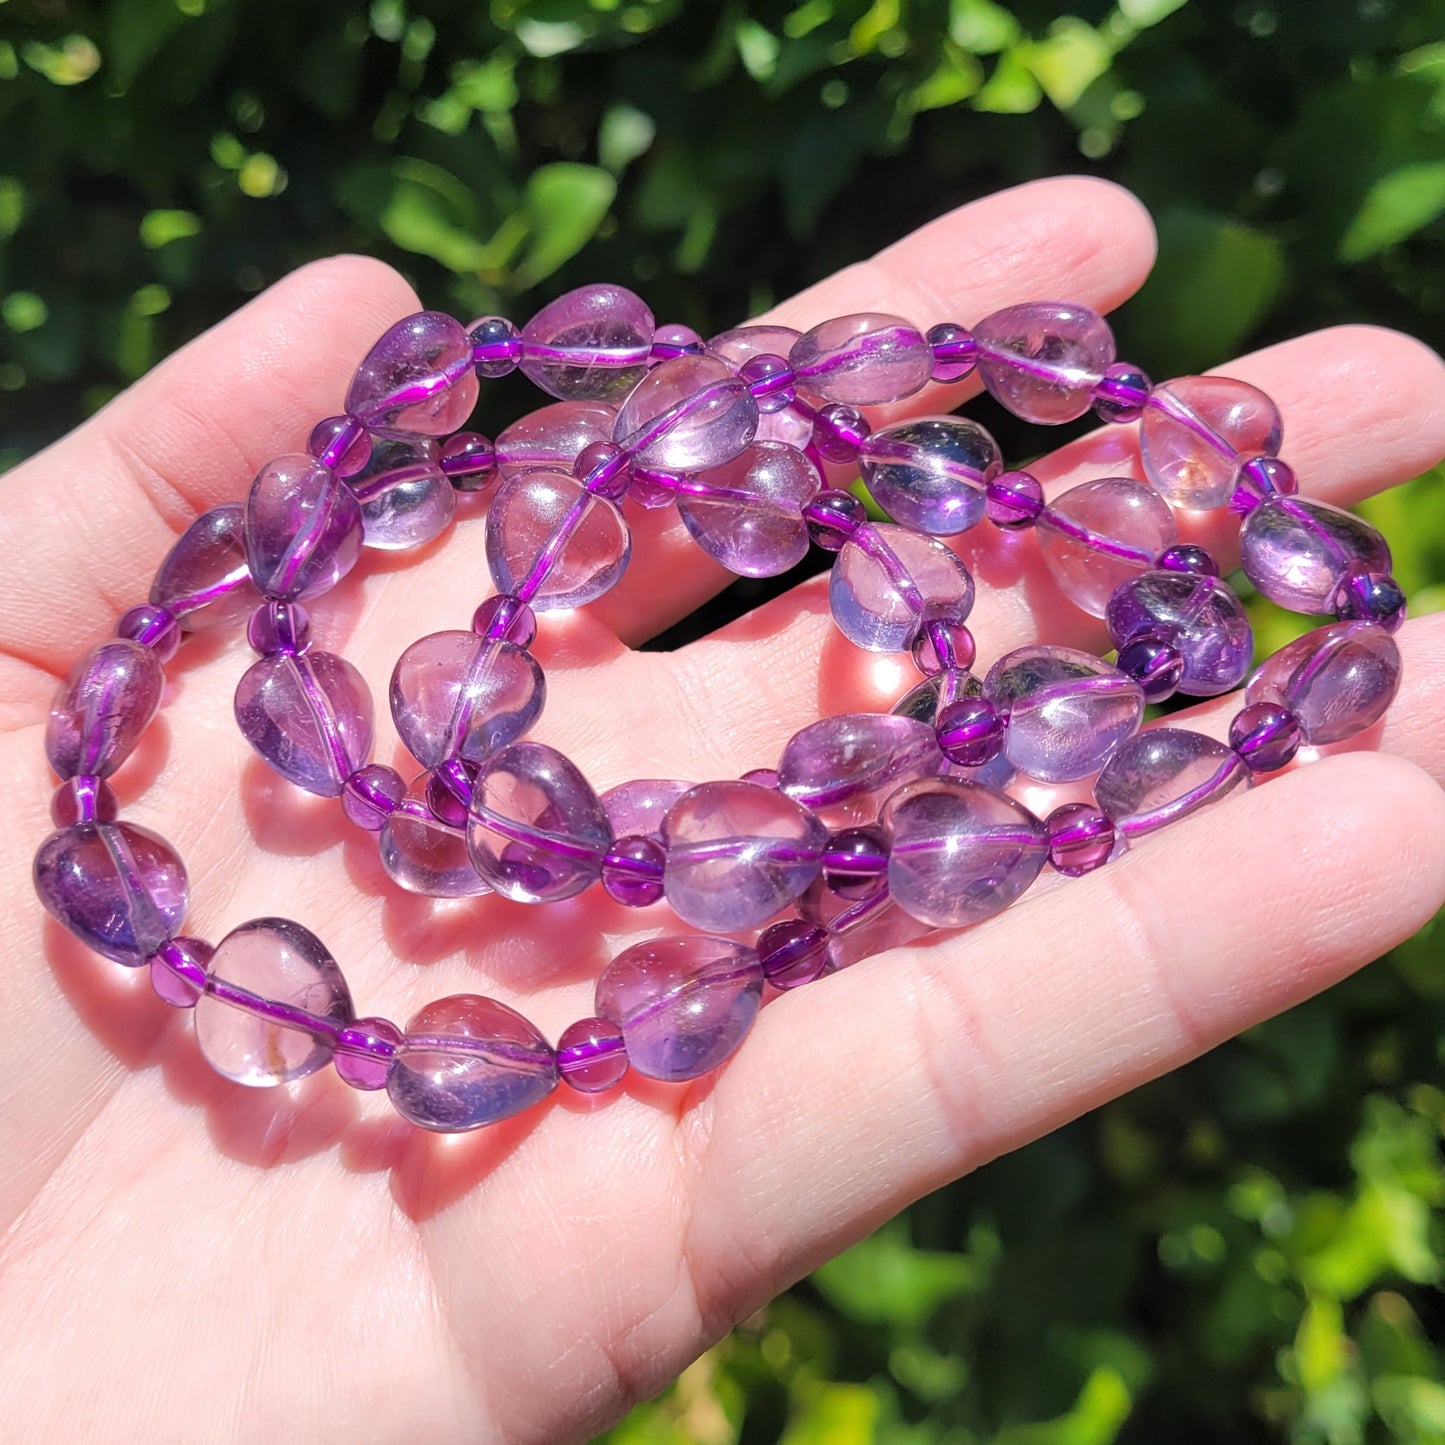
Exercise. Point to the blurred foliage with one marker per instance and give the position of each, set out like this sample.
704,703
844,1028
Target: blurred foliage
1248,1250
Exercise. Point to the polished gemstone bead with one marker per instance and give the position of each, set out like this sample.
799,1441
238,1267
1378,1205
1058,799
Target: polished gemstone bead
1196,429
553,544
632,870
309,718
417,378
971,731
763,777
456,694
83,798
954,351
839,432
205,579
468,1061
687,415
553,437
1337,680
883,580
1121,394
152,627
1014,500
593,344
1067,711
303,529
505,618
770,379
928,699
862,360
178,970
1156,665
591,1055
777,421
341,443
675,339
793,952
737,853
931,473
469,461
683,1004
102,708
406,498
1260,477
1043,359
1198,615
537,831
1371,597
639,806
422,855
1101,533
1163,774
604,469
960,852
833,517
1081,839
855,862
741,344
449,788
1185,557
274,1000
1265,735
279,629
496,346
364,1051
942,641
371,795
1298,552
117,887
843,767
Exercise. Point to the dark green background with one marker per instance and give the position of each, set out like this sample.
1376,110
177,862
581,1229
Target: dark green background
1246,1251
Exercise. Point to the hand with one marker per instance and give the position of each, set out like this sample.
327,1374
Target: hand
187,1259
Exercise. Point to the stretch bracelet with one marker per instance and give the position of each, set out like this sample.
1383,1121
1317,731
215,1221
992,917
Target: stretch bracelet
872,828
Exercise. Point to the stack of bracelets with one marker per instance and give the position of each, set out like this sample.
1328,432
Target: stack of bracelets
872,828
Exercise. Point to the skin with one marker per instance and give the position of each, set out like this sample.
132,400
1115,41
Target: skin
181,1258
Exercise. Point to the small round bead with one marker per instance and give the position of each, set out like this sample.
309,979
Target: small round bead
449,791
839,431
954,350
1120,394
496,346
1081,839
178,970
279,629
942,644
371,795
152,627
591,1055
1157,666
971,731
632,870
855,861
763,777
470,461
1371,597
364,1051
83,799
793,952
505,618
1266,736
341,443
1184,557
675,339
604,468
770,379
1013,500
833,517
1259,477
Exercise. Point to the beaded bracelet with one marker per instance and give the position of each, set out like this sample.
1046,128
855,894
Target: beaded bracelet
873,827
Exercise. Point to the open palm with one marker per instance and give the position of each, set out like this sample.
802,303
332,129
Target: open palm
185,1259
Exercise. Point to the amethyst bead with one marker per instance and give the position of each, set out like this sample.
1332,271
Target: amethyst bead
683,1004
303,529
793,952
1162,775
417,378
119,888
1043,359
1122,393
1156,665
942,642
553,437
954,351
279,628
468,461
505,618
931,473
1297,553
1371,597
178,971
468,1061
406,498
448,792
1194,432
839,432
496,346
1185,557
83,799
639,806
862,360
1260,477
604,469
1266,736
364,1051
1081,839
593,344
591,1055
855,862
371,795
341,443
153,627
971,731
102,708
843,767
1198,615
883,580
776,423
770,379
422,855
687,415
632,871
1014,500
205,579
833,517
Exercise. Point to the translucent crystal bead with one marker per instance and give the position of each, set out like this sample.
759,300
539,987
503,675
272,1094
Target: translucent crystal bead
83,799
884,578
954,351
469,461
1266,736
1371,597
789,425
1155,664
843,767
205,579
1014,500
341,443
793,952
468,1061
364,1051
303,529
931,473
505,618
153,627
417,378
638,807
683,1004
1162,775
178,970
839,432
266,980
102,708
855,863
971,731
371,795
862,360
632,871
593,344
553,437
1081,839
423,855
687,415
942,641
929,698
1194,432
1198,615
1043,359
406,497
496,346
1297,552
1121,394
833,518
591,1055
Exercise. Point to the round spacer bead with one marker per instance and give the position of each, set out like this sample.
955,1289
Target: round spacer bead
1121,393
1185,557
364,1051
971,731
604,468
341,443
591,1055
1266,736
449,791
506,618
770,380
371,795
279,629
1013,500
178,970
833,517
1157,666
855,862
763,777
1261,476
839,432
83,798
942,643
470,461
152,627
496,346
632,870
1371,597
954,351
675,339
1081,838
793,952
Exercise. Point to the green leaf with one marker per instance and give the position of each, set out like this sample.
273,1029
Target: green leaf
421,208
981,27
833,1415
884,1280
159,228
1069,61
1394,208
564,204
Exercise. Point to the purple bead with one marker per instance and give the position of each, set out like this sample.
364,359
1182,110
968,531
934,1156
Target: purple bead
683,1004
279,629
102,708
931,473
553,437
1194,432
406,498
641,805
942,642
1121,394
632,871
469,461
1266,736
1156,665
855,863
591,1056
364,1051
371,795
833,517
886,577
687,415
1198,615
505,618
793,952
273,1002
839,432
740,345
417,378
593,344
675,339
117,887
303,529
496,346
604,468
1297,552
83,799
178,970
1043,359
205,580
1184,557
1081,839
770,379
422,855
1067,711
1162,775
1014,500
468,1061
1337,680
308,717
1101,533
748,513
1260,477
960,852
954,351
341,443
448,792
456,694
553,544
1371,597
152,627
537,830
763,777
862,360
737,853
971,731
843,767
